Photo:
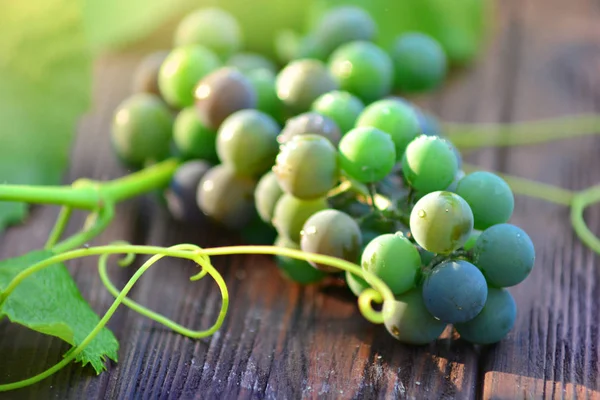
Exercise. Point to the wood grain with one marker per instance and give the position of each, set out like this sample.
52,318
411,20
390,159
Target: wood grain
284,341
553,349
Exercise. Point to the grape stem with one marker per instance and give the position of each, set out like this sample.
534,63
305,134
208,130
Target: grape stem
89,195
348,184
98,197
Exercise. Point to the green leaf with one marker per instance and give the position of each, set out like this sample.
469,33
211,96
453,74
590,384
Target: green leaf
459,25
49,302
45,79
115,23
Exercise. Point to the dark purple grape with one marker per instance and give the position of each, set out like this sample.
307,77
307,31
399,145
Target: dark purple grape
181,193
145,77
221,93
310,123
331,233
227,197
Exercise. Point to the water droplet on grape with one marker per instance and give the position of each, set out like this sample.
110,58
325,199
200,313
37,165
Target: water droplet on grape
422,214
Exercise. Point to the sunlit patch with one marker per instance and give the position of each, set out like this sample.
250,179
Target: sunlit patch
202,91
122,116
208,185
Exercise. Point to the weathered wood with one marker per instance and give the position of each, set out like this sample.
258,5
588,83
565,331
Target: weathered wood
553,349
283,341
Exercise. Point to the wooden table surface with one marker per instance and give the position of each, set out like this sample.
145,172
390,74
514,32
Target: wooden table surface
283,341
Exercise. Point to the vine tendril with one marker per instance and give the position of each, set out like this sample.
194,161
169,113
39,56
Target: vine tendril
59,227
473,136
378,294
180,251
380,291
199,259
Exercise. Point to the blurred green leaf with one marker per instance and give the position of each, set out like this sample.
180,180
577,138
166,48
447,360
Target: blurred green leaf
115,23
459,25
44,88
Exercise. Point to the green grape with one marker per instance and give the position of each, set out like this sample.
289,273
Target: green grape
426,256
408,320
342,107
307,166
294,269
257,232
441,222
226,197
455,291
459,175
363,69
266,195
356,283
344,24
459,161
142,129
291,213
221,93
246,62
267,101
396,118
471,240
373,225
367,154
213,28
332,233
301,81
309,47
145,77
429,164
180,196
494,322
192,138
429,124
489,196
505,254
180,72
419,62
394,259
310,123
247,141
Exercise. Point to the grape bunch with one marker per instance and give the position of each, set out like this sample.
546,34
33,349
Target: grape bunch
317,151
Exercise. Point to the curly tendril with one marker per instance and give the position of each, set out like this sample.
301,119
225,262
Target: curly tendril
200,259
190,252
378,294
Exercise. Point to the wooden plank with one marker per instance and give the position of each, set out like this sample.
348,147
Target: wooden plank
553,349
